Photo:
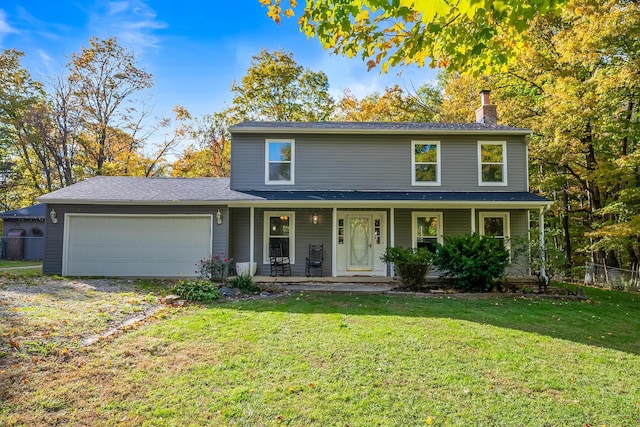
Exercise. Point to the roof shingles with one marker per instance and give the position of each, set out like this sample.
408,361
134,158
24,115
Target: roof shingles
114,189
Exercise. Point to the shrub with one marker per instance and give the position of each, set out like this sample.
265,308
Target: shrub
215,269
197,290
473,261
411,265
244,283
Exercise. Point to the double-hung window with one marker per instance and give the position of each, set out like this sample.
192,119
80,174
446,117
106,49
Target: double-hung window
492,168
426,230
279,161
495,224
279,234
425,163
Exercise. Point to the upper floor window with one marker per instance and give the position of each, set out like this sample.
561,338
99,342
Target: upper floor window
279,166
426,230
425,163
492,157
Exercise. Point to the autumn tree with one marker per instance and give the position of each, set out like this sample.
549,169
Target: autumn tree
471,35
575,85
103,78
210,154
277,88
393,105
24,160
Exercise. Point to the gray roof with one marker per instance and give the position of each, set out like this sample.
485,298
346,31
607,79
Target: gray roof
125,190
373,127
145,190
30,212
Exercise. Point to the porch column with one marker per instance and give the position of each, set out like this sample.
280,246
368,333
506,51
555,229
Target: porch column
543,272
392,236
473,220
252,239
334,242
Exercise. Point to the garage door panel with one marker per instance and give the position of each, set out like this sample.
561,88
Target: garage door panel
102,245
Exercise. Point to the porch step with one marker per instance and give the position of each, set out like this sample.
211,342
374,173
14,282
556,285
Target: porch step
364,284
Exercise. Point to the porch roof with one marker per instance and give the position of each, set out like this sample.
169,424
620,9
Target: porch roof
411,196
30,212
216,191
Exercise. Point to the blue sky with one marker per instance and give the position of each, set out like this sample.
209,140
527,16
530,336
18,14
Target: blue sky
194,49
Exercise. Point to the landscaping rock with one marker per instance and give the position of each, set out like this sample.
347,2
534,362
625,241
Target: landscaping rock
230,292
171,299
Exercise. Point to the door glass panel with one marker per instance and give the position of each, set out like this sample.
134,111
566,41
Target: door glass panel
360,243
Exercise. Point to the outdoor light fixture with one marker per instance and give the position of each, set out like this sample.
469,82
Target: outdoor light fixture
284,217
314,218
54,216
219,217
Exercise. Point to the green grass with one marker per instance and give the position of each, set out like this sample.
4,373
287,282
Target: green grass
9,264
357,360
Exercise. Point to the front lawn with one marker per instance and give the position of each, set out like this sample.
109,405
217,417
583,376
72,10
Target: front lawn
351,360
12,264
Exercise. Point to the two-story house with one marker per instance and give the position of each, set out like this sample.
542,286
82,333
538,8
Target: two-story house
356,188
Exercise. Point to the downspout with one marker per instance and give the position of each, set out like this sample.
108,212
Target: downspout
543,272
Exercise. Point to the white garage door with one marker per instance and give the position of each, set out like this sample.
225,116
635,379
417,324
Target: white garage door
135,245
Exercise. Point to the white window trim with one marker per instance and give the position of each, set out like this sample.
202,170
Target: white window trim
414,226
267,181
413,163
504,164
507,225
292,234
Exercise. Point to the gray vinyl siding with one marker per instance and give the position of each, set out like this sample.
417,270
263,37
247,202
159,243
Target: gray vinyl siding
54,240
240,234
381,163
306,233
402,228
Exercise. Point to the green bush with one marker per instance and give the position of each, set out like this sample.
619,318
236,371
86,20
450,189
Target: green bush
473,261
197,290
244,283
411,265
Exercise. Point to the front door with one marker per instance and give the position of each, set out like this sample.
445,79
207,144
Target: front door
359,243
361,240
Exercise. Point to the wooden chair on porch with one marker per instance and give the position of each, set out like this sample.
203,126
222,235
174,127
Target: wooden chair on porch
314,260
278,260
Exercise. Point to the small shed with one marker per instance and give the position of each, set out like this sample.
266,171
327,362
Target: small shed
23,233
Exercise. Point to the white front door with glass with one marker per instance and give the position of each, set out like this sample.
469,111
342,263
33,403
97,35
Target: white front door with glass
361,240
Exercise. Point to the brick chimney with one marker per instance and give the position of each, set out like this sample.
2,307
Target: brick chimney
487,113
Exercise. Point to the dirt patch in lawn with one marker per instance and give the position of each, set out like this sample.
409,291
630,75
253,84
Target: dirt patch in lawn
45,320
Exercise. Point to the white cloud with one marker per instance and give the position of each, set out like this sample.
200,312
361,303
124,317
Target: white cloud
134,23
5,28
